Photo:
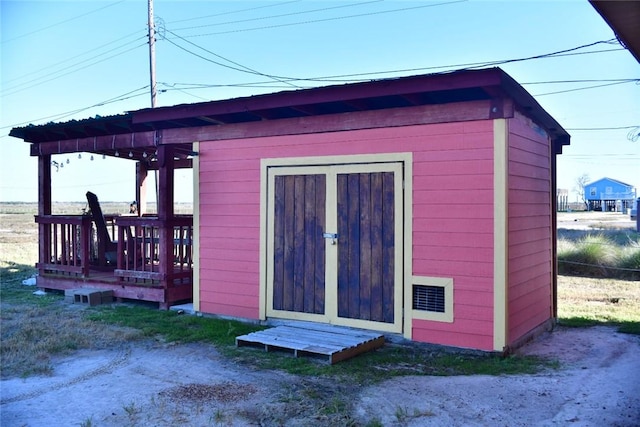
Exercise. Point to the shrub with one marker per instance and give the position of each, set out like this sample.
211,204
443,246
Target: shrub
593,255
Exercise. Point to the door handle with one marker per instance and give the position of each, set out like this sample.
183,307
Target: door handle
332,236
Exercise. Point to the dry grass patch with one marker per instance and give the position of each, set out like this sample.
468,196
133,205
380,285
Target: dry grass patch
586,301
32,334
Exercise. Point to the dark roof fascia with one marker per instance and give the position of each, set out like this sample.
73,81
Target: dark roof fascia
325,94
494,81
63,130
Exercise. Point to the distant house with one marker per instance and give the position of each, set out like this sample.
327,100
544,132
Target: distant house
422,206
609,195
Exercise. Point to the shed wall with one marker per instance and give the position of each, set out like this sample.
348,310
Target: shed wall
452,225
530,228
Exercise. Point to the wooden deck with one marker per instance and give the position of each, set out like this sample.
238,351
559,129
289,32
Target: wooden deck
314,340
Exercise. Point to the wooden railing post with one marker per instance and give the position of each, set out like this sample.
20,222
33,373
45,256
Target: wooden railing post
85,244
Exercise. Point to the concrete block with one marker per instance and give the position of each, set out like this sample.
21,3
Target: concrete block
90,297
106,296
69,295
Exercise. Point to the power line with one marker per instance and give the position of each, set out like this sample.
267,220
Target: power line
584,88
603,128
244,68
579,81
331,19
18,88
62,22
234,11
70,72
324,9
473,65
58,116
92,50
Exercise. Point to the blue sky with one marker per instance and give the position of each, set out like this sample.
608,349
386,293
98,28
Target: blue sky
64,60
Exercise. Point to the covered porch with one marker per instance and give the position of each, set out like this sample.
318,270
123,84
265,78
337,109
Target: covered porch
141,255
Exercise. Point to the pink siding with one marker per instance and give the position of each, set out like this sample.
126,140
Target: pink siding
453,210
530,228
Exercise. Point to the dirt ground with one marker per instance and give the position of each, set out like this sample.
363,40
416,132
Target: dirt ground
595,220
597,384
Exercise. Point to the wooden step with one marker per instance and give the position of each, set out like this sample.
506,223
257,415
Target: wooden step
314,340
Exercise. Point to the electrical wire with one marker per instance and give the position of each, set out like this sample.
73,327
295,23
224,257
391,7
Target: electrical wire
603,128
124,96
331,19
92,50
584,88
181,91
234,11
243,68
261,18
579,81
62,22
10,92
349,77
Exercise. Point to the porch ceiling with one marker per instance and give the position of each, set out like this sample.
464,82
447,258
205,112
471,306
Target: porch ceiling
459,86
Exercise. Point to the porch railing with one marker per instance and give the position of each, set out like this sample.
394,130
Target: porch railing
151,250
65,244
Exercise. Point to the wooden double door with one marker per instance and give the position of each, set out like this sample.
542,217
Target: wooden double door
334,244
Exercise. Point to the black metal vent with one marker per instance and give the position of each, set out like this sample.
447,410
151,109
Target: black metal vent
428,298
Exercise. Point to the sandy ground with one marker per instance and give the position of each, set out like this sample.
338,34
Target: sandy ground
597,384
595,221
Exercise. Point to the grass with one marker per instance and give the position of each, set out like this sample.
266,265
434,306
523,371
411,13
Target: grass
36,329
390,361
171,326
586,301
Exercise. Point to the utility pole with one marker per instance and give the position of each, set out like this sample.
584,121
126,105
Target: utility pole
152,54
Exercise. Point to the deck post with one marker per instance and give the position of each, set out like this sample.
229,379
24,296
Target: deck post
141,187
44,208
165,181
165,214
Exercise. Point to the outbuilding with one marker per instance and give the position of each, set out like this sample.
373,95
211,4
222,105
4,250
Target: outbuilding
421,206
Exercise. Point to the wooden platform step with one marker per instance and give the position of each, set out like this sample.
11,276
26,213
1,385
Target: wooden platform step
314,340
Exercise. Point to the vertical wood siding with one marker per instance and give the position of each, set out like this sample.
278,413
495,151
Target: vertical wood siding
298,256
530,228
365,263
452,226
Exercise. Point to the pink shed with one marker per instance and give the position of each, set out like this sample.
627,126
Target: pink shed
418,206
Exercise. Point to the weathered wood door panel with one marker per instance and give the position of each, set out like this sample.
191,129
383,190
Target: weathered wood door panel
298,250
366,246
353,279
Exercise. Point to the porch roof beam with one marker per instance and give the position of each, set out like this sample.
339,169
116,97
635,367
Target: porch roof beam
95,144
